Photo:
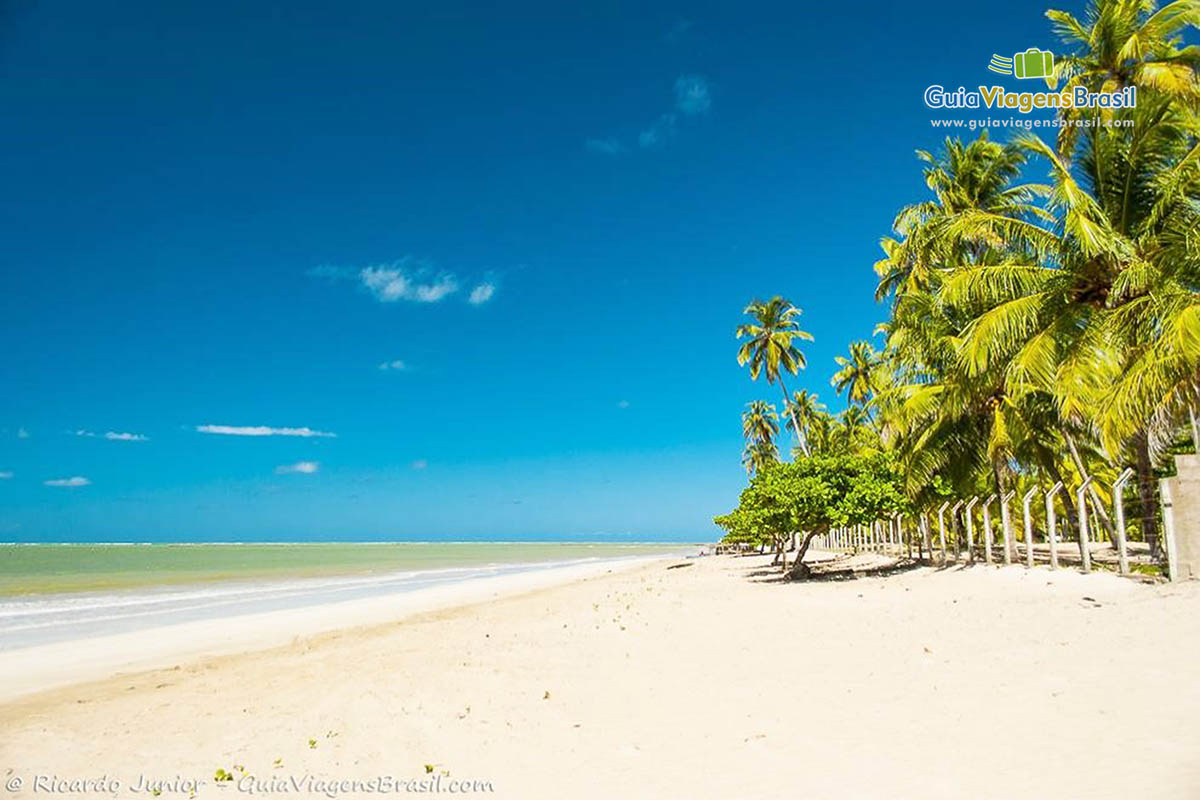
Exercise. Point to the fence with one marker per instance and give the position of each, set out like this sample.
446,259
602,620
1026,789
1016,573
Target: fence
1092,530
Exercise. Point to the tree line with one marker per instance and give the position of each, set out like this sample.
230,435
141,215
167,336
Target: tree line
1043,309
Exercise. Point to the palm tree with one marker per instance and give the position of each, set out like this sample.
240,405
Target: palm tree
857,374
760,423
1121,43
804,409
770,348
974,177
758,455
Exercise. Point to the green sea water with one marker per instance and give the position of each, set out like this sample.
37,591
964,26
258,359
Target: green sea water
50,568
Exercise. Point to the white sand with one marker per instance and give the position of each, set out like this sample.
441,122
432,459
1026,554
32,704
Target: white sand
700,682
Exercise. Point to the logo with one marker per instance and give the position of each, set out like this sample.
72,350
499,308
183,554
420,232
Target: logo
1033,63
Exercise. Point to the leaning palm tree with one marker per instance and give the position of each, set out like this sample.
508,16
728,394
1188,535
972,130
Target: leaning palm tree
770,349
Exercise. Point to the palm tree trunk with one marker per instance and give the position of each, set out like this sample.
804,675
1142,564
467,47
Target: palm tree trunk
787,402
1105,522
1148,491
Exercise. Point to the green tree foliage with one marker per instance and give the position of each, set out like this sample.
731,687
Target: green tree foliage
811,496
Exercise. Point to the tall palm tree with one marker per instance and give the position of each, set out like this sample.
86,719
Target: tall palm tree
770,349
804,410
1121,43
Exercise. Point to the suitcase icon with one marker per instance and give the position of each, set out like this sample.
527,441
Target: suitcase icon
1033,63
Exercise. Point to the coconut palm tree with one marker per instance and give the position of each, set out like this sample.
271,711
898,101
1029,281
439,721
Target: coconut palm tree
770,349
759,454
804,410
760,423
1122,43
857,374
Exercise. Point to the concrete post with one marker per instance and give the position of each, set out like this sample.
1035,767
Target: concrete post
971,530
953,521
1025,501
1081,503
1168,514
942,529
1052,524
1006,525
987,529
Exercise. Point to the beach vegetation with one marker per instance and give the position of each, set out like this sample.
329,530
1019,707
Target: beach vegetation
1043,306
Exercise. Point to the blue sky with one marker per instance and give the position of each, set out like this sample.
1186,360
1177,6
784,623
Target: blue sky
542,219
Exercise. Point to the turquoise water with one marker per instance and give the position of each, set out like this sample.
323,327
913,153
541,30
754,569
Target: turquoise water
55,568
57,593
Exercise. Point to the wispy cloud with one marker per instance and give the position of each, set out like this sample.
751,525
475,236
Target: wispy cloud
262,430
419,464
69,483
5,475
390,284
22,433
114,436
658,133
605,147
394,365
299,468
482,293
623,404
692,95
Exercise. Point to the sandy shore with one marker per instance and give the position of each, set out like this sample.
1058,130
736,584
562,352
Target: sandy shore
705,681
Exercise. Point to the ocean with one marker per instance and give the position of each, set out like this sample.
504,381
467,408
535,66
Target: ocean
58,592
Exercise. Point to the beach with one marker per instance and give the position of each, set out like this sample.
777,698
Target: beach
663,678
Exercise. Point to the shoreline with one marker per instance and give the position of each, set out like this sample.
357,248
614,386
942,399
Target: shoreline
713,680
40,668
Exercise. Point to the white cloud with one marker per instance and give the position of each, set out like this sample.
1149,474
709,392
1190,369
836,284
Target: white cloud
5,475
623,404
692,95
408,279
605,147
69,483
389,284
22,433
393,365
262,430
482,293
419,464
300,467
113,436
